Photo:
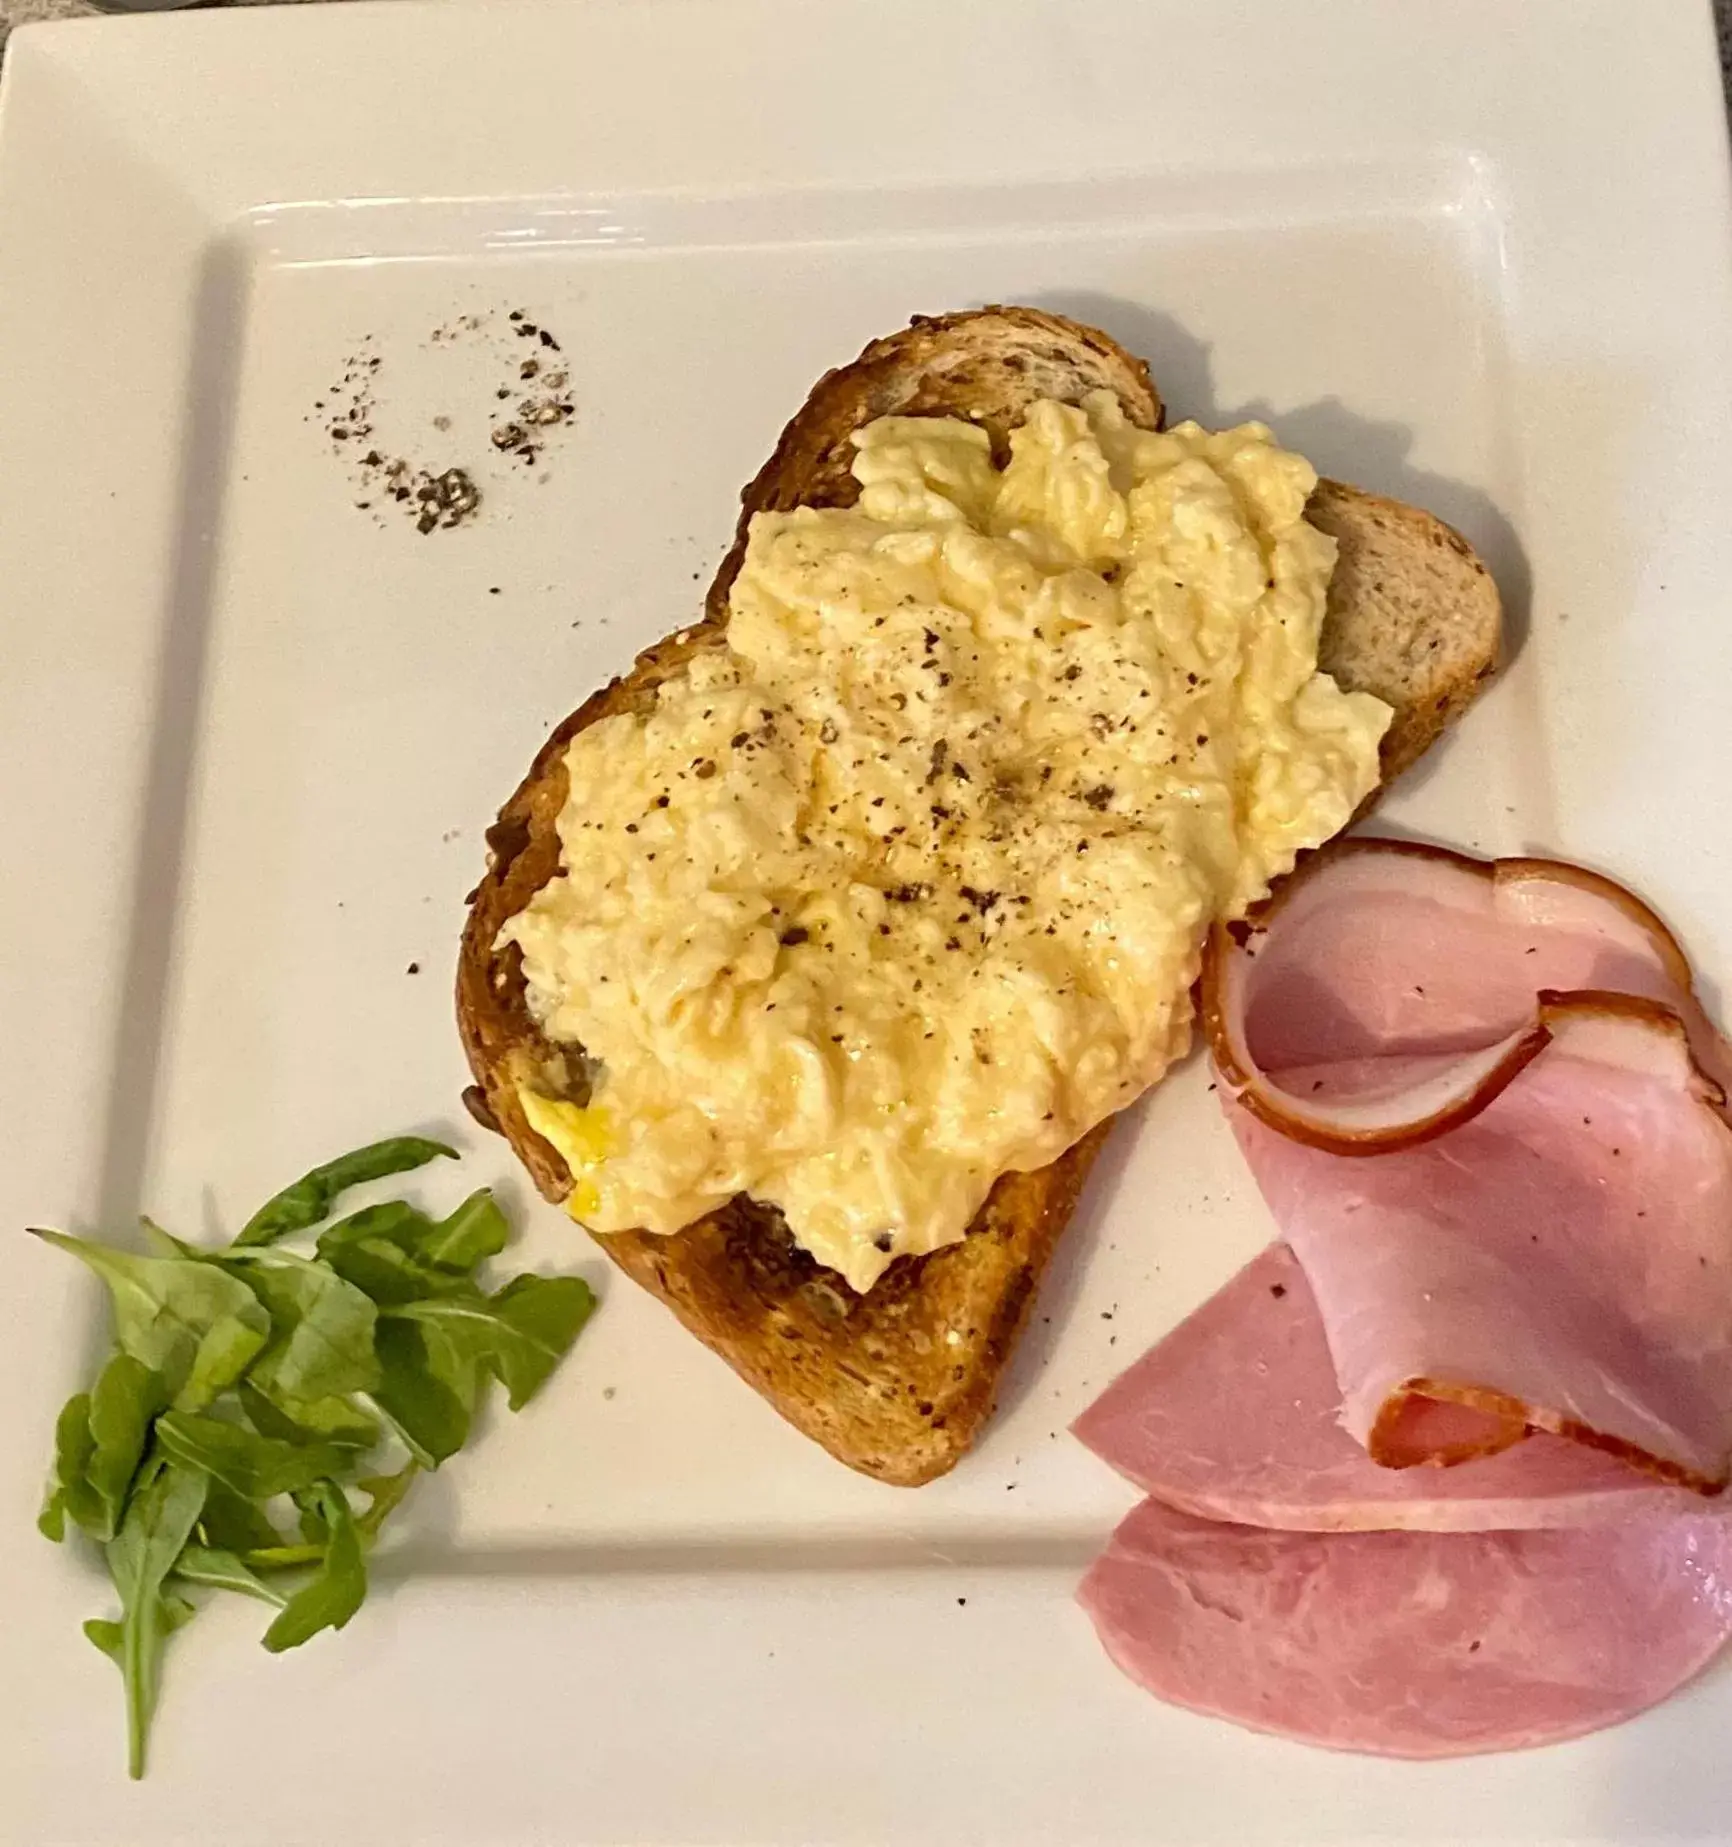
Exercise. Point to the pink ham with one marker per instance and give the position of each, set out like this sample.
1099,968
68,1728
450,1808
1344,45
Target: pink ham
1236,1416
1413,1644
1386,948
1562,1262
1541,1240
1553,1247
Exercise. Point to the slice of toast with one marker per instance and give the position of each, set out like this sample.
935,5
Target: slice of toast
897,1382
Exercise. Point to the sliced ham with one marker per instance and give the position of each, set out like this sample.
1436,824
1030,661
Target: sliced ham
1236,1416
1562,1262
1489,1114
1388,949
1543,1237
1413,1644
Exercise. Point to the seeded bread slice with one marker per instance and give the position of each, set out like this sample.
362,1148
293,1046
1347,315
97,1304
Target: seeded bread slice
1413,615
897,1382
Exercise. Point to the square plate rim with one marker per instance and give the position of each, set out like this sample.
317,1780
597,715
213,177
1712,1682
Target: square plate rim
46,55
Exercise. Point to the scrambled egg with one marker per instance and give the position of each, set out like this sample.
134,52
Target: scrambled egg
907,885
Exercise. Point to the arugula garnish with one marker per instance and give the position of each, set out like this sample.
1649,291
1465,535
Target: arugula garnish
180,1316
159,1521
309,1201
328,1600
254,1389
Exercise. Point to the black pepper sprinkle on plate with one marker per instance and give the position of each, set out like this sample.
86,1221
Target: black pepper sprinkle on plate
528,403
446,499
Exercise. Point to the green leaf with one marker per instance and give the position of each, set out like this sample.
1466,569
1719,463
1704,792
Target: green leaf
124,1399
394,1220
164,1244
99,1442
188,1320
457,1243
110,1637
231,1523
429,1400
319,1420
521,1334
222,1570
51,1521
331,1598
384,1494
159,1521
315,1527
247,1464
321,1343
309,1201
387,1275
473,1233
545,1315
398,1254
385,1272
72,1493
284,1557
172,1613
225,1353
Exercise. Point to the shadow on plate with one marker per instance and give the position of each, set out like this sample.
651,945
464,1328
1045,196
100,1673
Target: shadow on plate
209,392
741,1555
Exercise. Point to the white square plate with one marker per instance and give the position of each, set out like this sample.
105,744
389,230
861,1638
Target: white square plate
1470,254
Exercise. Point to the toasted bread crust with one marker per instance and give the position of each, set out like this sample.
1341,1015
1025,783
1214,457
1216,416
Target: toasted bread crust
897,1382
1413,616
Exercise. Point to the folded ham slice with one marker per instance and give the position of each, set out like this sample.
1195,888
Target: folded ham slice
1386,949
1561,1262
1544,1239
1413,1644
1236,1416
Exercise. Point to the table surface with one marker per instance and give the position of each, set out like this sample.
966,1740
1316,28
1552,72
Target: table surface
19,12
22,12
